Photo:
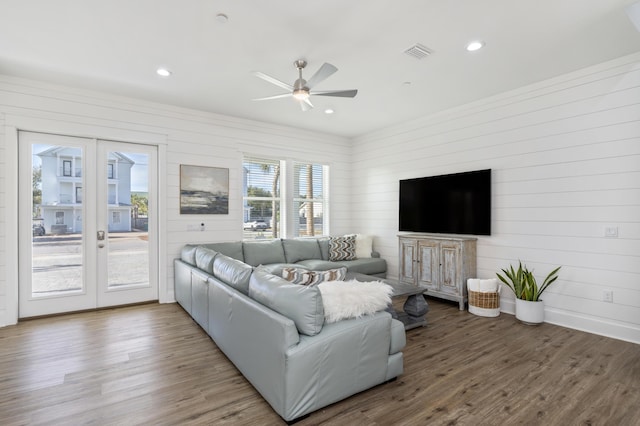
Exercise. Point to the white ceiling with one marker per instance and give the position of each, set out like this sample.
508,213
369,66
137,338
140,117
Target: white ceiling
116,46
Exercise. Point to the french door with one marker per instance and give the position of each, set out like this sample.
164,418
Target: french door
87,223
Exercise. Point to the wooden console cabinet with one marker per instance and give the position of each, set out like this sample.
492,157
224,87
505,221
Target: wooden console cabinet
442,263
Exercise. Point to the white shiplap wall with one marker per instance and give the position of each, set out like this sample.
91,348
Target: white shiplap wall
565,155
189,137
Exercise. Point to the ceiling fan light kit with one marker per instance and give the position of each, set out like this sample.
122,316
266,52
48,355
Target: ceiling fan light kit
301,88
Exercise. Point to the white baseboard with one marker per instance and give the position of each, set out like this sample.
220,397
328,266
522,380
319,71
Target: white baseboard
585,323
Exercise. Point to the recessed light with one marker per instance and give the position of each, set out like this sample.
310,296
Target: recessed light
475,45
163,72
329,111
222,18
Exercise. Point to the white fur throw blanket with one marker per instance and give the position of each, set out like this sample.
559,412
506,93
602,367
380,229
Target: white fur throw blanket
353,299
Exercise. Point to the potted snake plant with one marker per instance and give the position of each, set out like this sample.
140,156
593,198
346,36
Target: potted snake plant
529,306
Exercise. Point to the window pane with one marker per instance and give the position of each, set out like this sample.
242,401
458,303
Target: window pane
310,220
261,198
309,204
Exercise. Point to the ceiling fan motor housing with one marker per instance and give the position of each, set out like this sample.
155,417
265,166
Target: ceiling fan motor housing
300,89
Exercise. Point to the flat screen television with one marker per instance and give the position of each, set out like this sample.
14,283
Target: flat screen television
458,203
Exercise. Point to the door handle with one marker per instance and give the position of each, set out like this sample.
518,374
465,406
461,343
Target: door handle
100,235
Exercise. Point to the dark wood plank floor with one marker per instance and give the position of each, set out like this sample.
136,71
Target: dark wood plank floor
152,364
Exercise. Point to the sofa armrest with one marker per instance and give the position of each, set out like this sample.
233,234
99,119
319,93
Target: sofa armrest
398,337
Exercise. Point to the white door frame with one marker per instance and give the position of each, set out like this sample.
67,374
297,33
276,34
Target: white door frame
15,123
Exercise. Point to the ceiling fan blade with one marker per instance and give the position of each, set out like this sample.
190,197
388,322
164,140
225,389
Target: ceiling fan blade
286,95
325,71
339,93
273,80
306,105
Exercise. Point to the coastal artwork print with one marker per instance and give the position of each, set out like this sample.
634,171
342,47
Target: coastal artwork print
204,190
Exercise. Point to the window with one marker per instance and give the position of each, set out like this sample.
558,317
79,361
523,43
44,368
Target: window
308,199
299,210
59,218
66,167
261,198
110,171
115,217
78,195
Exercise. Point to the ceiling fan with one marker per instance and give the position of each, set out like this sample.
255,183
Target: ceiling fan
301,89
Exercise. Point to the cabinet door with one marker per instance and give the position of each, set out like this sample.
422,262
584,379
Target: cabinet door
450,268
407,271
428,264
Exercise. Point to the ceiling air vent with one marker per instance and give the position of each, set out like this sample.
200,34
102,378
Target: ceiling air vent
418,51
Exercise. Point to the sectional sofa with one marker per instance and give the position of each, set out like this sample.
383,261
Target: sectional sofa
275,332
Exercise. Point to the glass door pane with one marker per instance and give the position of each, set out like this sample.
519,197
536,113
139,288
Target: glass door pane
56,212
128,219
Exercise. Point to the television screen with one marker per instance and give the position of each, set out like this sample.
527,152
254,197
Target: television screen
458,203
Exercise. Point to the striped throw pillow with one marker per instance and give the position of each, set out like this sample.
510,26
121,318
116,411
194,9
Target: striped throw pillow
305,277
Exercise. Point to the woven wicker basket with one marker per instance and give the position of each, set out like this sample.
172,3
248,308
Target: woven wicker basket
484,300
484,304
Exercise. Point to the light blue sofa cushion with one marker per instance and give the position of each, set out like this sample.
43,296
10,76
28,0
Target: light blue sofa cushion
371,266
204,259
302,304
232,249
276,268
324,247
232,272
188,254
263,252
299,249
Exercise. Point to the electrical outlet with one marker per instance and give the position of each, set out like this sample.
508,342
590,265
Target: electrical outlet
607,296
611,232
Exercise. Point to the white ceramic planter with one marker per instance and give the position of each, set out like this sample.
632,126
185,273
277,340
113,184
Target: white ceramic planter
530,312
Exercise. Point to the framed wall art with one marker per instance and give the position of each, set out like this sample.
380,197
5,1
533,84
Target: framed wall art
204,190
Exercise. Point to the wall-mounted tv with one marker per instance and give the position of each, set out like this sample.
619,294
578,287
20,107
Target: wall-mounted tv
458,203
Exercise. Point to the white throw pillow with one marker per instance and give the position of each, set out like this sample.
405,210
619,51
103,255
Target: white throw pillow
364,246
353,299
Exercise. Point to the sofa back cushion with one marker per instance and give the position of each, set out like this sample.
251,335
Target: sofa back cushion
232,272
299,249
301,304
232,249
324,247
263,252
204,259
188,254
